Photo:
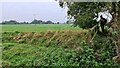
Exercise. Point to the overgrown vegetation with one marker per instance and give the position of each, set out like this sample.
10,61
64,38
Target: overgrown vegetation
81,13
57,48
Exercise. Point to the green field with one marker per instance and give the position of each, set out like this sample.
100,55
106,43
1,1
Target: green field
36,27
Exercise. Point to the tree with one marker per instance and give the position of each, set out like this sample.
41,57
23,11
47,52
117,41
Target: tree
10,22
48,22
37,22
58,22
83,12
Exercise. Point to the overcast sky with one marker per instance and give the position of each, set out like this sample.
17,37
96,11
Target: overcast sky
26,11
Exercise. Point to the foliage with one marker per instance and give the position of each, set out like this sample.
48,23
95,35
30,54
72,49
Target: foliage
33,22
84,12
41,22
99,54
10,22
29,55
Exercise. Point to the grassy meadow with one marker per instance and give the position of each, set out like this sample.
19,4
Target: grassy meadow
37,27
54,45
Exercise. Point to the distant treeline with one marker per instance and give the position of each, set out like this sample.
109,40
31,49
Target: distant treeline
33,22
